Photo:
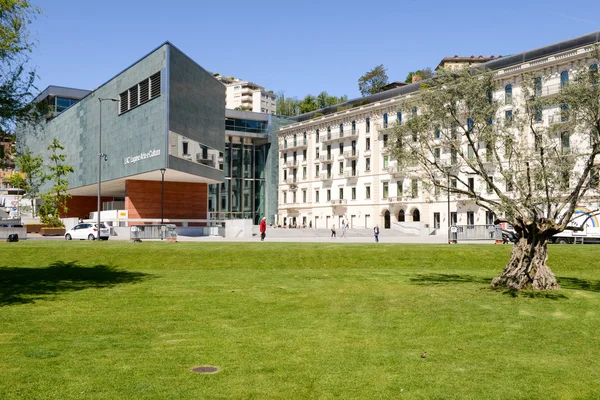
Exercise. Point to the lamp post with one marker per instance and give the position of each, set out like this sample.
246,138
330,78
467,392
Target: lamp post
100,157
162,204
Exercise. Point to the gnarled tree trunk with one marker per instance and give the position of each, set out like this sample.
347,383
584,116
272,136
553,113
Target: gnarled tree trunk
527,267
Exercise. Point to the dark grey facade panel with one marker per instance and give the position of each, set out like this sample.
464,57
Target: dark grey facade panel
197,102
196,169
132,140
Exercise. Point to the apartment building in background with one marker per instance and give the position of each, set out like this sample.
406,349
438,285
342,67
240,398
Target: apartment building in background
247,96
338,167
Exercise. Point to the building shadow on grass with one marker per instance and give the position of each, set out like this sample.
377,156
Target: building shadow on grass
440,279
26,285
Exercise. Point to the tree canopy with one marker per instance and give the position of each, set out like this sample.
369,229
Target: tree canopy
16,81
528,170
291,106
420,74
373,81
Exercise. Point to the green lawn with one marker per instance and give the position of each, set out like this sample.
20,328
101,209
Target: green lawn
87,320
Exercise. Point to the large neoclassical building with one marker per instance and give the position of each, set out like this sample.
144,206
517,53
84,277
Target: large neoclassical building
335,165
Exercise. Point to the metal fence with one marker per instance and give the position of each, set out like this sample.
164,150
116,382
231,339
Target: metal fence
475,232
166,232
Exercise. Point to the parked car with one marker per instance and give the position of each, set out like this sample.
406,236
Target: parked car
87,231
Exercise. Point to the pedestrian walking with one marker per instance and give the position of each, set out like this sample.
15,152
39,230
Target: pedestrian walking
333,230
263,229
376,233
344,225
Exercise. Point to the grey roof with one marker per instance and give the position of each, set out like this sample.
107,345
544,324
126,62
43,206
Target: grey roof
61,91
496,64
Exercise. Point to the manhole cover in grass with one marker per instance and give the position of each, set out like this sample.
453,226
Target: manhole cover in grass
206,369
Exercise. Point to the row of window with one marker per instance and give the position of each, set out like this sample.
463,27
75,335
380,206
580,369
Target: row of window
414,193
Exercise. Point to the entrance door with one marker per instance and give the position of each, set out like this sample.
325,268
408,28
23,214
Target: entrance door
367,221
327,222
386,219
316,222
436,220
352,221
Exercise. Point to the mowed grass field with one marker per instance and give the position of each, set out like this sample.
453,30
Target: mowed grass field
87,320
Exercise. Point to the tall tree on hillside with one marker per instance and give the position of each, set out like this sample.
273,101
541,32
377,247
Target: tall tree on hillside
16,81
529,172
419,75
373,81
308,104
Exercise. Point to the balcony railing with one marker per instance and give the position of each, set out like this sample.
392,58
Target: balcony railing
338,202
385,150
326,177
394,170
291,180
292,164
327,158
300,143
352,154
332,137
351,174
367,153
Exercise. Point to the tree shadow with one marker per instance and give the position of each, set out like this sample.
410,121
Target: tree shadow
26,285
440,279
533,294
589,285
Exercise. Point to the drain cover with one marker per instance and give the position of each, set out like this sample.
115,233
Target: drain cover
207,369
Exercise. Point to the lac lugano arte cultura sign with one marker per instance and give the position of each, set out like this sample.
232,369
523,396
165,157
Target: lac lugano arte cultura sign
141,156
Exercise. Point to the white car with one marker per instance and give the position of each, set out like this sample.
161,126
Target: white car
87,231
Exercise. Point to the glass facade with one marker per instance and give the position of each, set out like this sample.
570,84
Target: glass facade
242,195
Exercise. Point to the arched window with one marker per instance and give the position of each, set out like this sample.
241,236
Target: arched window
385,120
508,94
401,216
416,215
594,73
368,122
353,127
304,142
295,140
399,116
341,129
564,78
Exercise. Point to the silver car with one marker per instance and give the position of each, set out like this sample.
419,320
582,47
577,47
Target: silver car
87,231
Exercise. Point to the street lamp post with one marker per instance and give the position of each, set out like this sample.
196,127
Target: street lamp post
100,157
162,204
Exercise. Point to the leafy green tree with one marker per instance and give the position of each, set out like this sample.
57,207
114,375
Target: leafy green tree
422,74
16,81
373,81
30,177
54,203
308,104
528,173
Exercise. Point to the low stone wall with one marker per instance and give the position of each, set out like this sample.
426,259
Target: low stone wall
22,232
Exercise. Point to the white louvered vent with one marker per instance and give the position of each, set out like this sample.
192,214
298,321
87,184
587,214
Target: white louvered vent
141,93
144,91
133,97
155,85
124,103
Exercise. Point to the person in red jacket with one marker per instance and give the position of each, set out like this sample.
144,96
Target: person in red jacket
263,229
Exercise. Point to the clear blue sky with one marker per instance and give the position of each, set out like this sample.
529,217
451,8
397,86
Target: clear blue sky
299,47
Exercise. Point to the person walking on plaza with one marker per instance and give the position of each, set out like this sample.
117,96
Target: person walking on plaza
343,229
333,230
263,229
376,233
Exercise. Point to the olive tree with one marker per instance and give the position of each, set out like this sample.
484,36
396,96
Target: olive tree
533,156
